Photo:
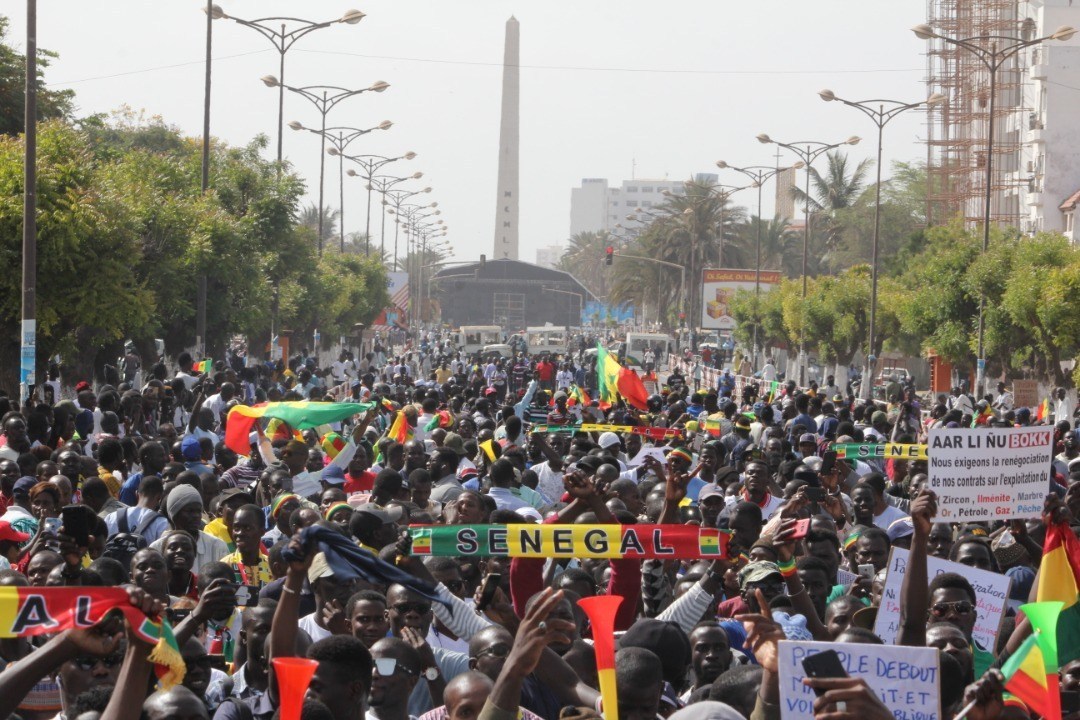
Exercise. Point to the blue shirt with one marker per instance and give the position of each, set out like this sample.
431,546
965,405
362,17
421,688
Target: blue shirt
129,491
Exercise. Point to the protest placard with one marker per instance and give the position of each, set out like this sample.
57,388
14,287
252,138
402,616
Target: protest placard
991,597
907,679
1025,393
990,473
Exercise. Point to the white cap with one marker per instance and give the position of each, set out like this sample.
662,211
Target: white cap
608,439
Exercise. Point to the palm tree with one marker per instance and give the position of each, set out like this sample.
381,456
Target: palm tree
781,246
839,188
309,218
583,258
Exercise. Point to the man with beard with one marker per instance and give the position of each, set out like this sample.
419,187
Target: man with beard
710,655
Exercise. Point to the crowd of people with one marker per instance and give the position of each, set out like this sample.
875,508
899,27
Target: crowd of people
132,484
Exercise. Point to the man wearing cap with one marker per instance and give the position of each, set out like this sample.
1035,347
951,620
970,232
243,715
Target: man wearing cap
610,442
229,502
327,589
10,542
18,514
455,442
184,508
807,445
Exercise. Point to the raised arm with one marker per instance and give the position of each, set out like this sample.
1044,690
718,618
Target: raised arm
913,590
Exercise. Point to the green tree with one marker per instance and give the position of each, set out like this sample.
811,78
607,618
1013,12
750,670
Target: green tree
584,259
51,104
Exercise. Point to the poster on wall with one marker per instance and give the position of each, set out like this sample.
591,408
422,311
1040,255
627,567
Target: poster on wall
719,287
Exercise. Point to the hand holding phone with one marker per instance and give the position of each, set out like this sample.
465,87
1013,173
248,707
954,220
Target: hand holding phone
802,529
487,591
825,664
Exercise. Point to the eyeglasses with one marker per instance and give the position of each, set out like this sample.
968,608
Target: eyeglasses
960,607
87,662
454,585
420,608
387,666
498,651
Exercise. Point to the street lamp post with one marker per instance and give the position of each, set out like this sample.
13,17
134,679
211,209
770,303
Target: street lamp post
811,150
324,98
414,225
880,112
397,198
760,174
28,329
370,165
384,183
275,29
986,49
341,140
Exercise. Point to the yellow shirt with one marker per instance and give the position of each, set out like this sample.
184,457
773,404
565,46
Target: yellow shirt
257,575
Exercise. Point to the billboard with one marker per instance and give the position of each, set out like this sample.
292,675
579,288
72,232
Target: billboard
598,313
719,287
397,286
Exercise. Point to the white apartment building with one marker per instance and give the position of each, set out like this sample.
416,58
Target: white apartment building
597,205
1051,152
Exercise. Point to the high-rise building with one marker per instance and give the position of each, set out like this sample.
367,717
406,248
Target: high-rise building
549,256
506,202
597,206
1036,160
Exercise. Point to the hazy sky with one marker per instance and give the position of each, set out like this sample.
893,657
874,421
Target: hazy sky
672,87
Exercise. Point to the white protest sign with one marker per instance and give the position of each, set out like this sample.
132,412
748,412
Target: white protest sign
991,597
845,578
990,473
905,678
657,453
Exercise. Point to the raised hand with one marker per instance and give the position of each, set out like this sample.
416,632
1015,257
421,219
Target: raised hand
763,634
923,512
537,631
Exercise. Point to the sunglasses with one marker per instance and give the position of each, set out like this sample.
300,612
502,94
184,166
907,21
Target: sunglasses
387,666
87,662
420,608
497,651
454,585
960,607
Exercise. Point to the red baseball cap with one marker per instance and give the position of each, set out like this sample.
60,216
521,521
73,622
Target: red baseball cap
9,533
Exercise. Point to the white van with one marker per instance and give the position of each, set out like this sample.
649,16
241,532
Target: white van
472,338
548,339
637,343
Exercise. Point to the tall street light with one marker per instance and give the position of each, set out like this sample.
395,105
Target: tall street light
28,329
760,174
397,199
383,183
992,51
276,30
340,138
370,165
807,151
324,98
880,112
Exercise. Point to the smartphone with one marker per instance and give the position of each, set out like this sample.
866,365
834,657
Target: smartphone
76,524
802,528
825,664
487,590
52,526
867,571
176,615
815,494
247,596
828,462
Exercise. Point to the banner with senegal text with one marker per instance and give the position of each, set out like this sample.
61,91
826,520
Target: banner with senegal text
640,542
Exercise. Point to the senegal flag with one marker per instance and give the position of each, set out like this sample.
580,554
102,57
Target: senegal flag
1031,673
1059,581
613,380
298,415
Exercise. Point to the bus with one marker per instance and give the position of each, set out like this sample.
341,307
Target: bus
548,339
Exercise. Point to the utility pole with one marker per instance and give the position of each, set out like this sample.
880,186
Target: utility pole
28,349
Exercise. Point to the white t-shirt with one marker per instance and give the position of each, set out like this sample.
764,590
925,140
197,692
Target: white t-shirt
889,516
308,625
549,482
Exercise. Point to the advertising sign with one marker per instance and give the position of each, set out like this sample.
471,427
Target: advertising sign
718,290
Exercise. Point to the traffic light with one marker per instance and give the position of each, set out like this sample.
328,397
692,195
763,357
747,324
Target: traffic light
609,255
